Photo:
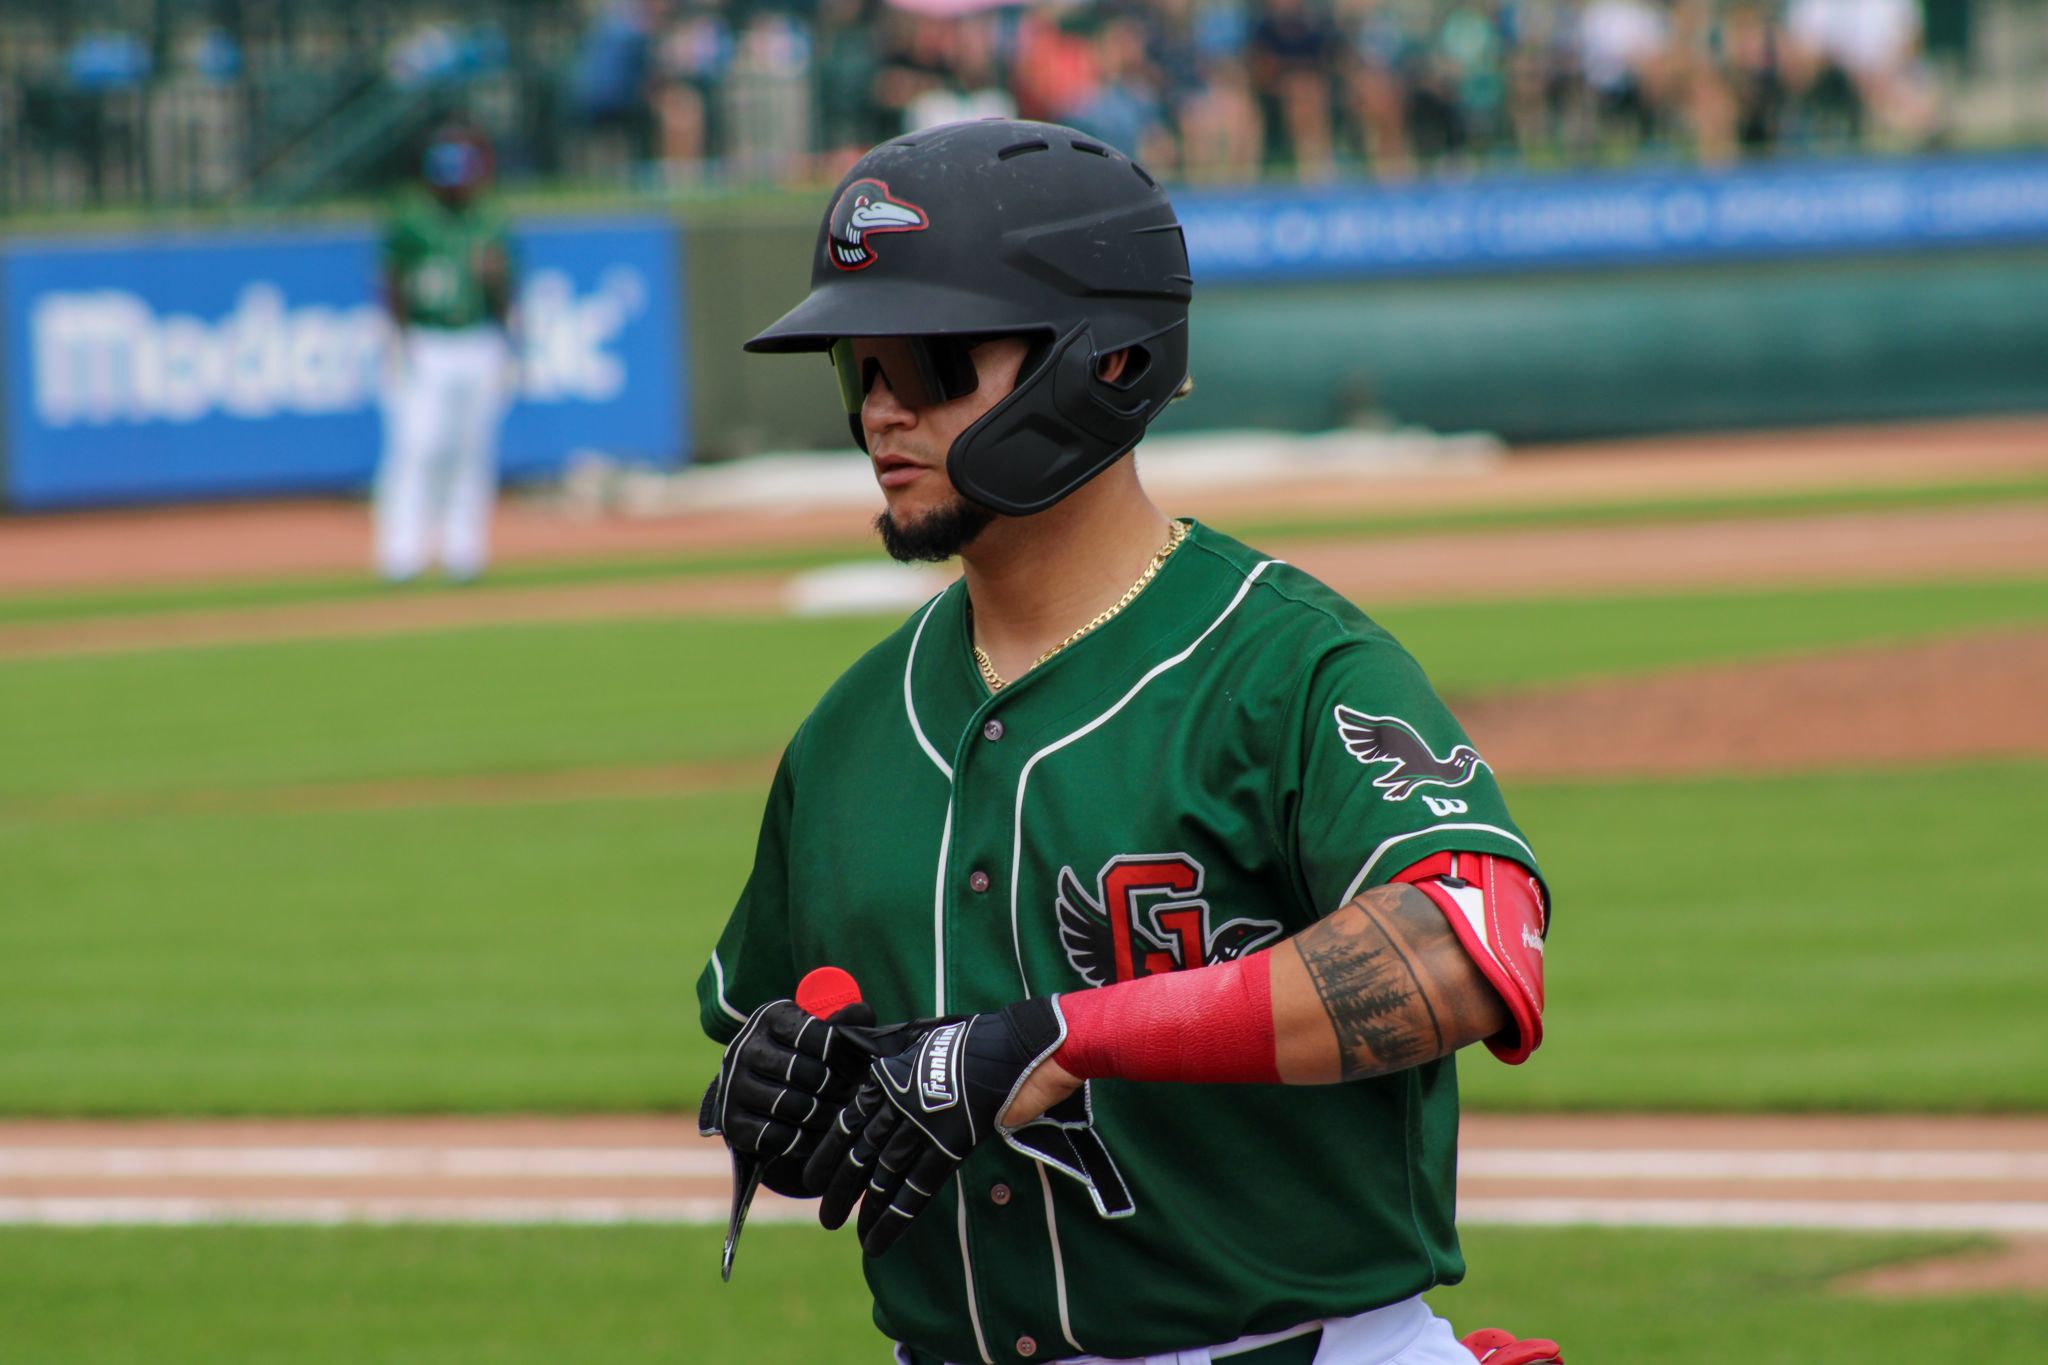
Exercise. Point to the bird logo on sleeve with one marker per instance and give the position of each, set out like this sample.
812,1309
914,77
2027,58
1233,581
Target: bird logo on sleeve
867,209
1411,762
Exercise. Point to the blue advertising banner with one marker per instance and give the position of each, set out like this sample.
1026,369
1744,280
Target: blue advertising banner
1523,223
227,364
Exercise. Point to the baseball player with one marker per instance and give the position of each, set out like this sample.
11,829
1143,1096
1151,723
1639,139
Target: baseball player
1184,884
448,285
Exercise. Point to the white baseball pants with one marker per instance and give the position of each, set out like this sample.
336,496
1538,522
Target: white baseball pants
439,475
1404,1333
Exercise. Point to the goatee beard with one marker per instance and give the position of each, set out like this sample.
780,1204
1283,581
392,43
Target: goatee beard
936,536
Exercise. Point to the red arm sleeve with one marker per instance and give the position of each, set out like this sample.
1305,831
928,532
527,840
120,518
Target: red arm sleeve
1212,1025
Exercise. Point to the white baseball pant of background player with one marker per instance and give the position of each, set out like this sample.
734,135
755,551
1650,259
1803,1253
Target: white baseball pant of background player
1404,1333
439,474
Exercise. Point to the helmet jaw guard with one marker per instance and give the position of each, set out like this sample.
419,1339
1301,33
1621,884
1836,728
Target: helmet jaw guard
1004,227
1062,424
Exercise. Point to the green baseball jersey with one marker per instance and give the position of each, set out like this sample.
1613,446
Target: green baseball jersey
1236,754
437,255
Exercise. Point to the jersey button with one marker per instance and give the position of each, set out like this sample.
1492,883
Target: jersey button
977,880
999,1195
992,730
1027,1347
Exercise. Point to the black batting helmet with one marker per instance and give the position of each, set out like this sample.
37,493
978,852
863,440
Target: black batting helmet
1000,228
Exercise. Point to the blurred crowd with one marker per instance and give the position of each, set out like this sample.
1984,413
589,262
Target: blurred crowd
1227,90
195,102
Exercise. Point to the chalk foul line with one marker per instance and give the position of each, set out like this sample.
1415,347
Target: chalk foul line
127,1184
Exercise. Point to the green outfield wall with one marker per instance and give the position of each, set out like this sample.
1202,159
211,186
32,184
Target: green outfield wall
1535,357
1544,357
741,277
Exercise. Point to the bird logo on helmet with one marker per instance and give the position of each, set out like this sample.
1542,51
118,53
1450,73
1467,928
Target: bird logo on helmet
1049,236
866,209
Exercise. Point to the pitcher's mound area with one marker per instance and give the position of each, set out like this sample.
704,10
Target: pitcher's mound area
1975,696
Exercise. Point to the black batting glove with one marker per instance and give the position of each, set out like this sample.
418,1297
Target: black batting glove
779,1087
784,1079
919,1113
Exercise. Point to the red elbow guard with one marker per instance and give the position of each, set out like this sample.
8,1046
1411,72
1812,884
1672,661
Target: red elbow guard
1495,906
1210,1025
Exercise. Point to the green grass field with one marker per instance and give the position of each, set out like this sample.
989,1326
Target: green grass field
508,958
637,1296
1788,943
546,697
541,956
497,700
186,927
246,955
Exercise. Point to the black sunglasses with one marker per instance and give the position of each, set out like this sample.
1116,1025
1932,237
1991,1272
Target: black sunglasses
941,369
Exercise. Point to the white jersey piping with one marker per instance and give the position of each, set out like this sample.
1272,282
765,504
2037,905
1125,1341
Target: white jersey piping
967,1273
909,702
1381,851
939,943
946,834
1024,778
1059,1265
939,914
718,981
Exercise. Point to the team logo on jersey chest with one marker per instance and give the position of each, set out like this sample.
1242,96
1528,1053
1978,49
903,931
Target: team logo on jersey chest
1147,917
1411,763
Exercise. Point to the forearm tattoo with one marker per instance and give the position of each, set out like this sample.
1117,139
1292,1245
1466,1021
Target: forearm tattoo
1365,963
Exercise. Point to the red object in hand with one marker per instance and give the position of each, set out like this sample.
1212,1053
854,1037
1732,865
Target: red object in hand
1495,1347
825,991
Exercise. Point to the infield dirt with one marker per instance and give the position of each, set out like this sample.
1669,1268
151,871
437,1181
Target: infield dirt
1705,1171
230,542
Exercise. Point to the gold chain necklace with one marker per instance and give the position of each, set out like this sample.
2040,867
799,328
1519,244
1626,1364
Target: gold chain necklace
1173,540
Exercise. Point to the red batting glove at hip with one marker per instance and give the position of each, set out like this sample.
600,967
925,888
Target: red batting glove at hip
1495,1347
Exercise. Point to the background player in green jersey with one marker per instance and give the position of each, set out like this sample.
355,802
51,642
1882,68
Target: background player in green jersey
448,283
1194,884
